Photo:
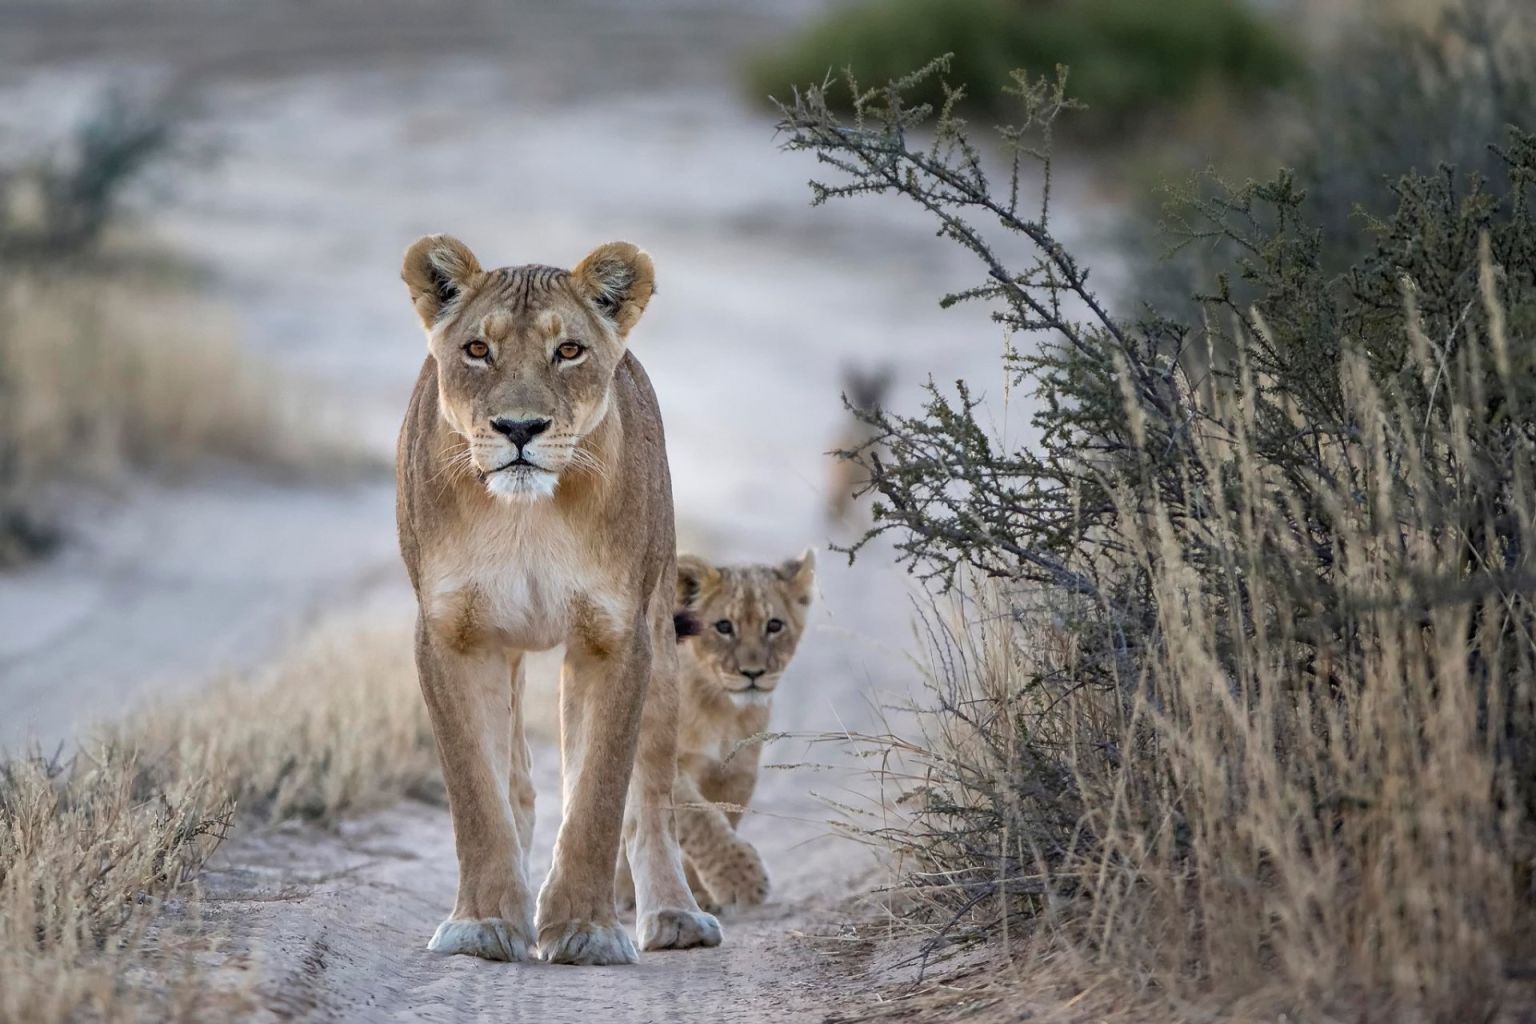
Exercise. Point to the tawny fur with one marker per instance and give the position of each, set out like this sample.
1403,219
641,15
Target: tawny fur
864,392
575,548
751,620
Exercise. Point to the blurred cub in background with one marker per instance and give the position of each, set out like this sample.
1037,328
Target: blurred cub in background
864,391
750,621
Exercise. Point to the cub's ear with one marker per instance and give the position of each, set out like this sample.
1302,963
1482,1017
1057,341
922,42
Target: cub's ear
440,273
693,574
618,279
799,576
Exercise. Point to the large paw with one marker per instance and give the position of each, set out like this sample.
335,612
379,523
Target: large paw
493,938
587,944
677,929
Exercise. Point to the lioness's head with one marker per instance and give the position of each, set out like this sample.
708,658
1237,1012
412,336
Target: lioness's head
752,618
525,355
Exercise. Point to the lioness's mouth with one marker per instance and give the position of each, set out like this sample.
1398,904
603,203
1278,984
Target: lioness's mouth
518,463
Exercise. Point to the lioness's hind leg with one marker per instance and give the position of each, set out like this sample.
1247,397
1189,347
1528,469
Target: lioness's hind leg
469,698
623,883
666,916
520,790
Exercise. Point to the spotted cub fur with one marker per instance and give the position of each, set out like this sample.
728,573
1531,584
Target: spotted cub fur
750,619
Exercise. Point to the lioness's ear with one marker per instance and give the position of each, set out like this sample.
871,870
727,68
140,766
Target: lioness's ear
799,575
692,574
440,272
618,279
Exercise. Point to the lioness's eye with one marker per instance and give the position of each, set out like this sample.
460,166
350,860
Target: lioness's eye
724,627
774,625
569,350
477,349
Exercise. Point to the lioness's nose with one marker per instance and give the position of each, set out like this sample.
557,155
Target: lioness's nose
754,674
519,432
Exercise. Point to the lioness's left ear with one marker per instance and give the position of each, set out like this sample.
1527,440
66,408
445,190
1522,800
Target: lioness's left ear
618,279
799,575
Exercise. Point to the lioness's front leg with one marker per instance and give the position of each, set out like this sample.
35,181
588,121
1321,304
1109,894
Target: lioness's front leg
601,693
470,699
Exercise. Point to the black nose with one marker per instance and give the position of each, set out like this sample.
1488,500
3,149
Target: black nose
754,675
519,432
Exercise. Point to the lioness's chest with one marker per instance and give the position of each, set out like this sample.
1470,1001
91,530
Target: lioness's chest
521,586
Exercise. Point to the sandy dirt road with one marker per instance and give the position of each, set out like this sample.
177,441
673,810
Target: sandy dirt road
534,132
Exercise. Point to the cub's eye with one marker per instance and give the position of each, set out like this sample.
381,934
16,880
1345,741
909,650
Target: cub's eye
569,350
775,625
477,349
724,627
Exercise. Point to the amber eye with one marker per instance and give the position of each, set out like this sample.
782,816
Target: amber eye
724,627
775,625
569,350
477,349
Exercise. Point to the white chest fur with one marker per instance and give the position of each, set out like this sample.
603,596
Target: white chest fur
517,581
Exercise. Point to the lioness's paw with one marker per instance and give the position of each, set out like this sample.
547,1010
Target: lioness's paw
587,944
677,929
493,938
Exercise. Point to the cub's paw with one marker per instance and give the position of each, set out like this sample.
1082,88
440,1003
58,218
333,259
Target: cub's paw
737,878
677,929
706,901
493,938
587,944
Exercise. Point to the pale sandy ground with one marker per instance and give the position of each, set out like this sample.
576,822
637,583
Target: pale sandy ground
533,132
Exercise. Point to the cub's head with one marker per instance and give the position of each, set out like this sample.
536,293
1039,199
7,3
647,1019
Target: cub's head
525,355
751,619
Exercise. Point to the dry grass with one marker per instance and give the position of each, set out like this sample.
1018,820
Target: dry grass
1257,824
90,850
105,373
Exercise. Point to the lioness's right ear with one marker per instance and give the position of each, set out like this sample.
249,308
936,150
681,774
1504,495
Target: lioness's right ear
692,574
440,273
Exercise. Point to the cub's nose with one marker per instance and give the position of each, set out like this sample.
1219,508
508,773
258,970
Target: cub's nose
519,432
753,675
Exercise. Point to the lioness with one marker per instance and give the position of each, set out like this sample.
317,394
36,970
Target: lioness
535,509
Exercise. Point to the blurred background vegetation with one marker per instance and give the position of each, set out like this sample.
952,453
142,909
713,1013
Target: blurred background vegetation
112,360
1128,58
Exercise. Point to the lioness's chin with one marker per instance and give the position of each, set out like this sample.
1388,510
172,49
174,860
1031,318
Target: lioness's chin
751,698
522,485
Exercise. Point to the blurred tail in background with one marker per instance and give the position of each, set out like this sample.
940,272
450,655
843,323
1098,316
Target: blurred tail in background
864,391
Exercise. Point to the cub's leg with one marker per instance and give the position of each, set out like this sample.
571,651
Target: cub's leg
667,916
470,699
727,864
732,782
601,694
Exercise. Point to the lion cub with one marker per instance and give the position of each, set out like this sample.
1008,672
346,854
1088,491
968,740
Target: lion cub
751,619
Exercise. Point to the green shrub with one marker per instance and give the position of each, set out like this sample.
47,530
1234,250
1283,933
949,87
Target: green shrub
1391,97
1127,56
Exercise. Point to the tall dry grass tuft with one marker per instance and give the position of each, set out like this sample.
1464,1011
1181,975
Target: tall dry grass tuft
336,727
1305,798
91,850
